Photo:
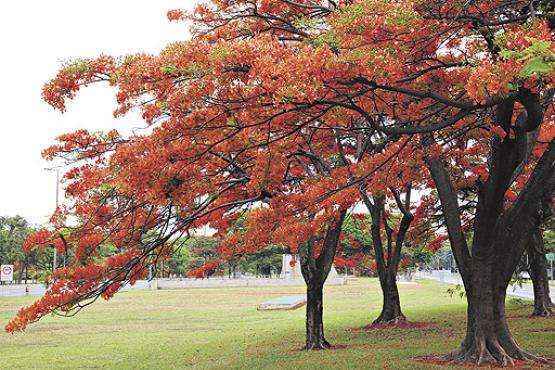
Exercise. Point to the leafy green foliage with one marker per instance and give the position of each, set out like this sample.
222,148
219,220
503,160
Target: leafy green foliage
35,265
457,290
539,59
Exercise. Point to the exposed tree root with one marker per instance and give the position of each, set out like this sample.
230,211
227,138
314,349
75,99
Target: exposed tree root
441,361
318,346
544,310
397,324
323,345
388,320
488,351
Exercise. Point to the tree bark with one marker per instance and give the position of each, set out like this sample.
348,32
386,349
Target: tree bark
488,339
543,306
315,338
391,308
388,268
315,271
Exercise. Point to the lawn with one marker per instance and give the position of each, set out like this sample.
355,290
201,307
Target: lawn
221,328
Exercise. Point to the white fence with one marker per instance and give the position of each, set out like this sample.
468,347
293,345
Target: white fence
243,282
15,290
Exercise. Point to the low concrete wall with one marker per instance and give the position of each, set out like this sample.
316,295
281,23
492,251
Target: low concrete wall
244,282
17,290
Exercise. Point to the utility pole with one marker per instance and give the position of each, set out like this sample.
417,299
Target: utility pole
55,259
55,264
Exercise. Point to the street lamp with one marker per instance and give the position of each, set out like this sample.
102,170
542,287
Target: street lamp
57,169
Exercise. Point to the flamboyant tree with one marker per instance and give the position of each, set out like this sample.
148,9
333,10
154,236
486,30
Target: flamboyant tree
389,258
317,257
316,231
266,226
497,207
385,242
233,110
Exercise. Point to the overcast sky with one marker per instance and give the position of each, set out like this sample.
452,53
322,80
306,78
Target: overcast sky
36,37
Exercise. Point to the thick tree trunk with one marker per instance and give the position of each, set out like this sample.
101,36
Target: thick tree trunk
391,309
499,240
388,268
315,271
488,338
543,306
314,318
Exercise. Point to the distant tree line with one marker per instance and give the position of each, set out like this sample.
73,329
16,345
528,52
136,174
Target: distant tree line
35,265
189,258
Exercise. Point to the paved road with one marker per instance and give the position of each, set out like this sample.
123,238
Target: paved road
445,276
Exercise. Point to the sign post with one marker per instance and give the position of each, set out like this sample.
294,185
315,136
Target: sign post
6,273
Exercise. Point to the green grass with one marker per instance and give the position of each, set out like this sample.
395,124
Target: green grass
221,328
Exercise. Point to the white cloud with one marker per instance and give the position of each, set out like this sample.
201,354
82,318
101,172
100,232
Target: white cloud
36,37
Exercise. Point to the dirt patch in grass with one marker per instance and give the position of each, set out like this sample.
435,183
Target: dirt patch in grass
404,325
439,361
542,330
527,316
338,346
333,347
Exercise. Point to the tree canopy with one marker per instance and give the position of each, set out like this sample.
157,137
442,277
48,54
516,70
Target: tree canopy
297,110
